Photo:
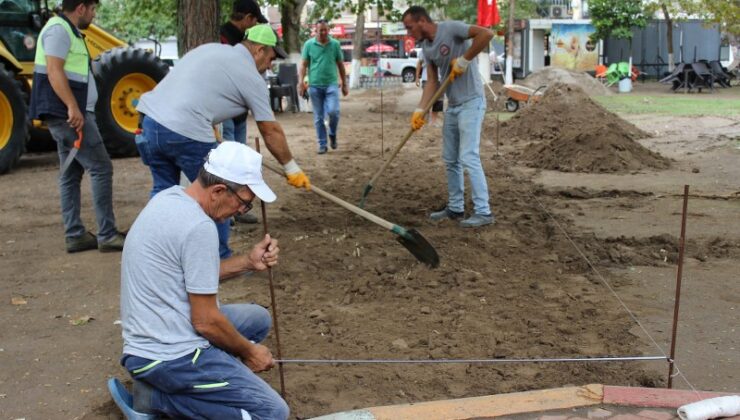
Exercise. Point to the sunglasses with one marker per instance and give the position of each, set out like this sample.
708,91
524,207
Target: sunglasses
247,204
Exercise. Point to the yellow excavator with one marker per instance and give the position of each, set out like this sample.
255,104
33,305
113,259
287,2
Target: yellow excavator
122,75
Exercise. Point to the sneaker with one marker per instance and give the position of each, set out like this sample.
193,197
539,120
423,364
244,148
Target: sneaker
446,213
478,220
84,242
114,244
333,142
322,150
246,218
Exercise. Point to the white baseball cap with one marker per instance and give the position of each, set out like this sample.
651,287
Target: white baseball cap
236,162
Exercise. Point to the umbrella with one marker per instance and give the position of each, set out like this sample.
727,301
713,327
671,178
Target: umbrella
379,48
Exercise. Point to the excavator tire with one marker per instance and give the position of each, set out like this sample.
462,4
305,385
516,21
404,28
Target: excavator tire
13,120
123,74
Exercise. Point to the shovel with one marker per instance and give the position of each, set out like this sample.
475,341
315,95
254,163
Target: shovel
417,245
428,106
72,153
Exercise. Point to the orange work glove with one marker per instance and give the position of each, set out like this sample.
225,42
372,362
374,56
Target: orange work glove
458,67
417,119
296,176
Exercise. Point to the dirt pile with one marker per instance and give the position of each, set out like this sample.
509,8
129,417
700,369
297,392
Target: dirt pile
577,134
551,76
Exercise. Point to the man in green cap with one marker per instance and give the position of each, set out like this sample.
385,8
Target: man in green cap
210,84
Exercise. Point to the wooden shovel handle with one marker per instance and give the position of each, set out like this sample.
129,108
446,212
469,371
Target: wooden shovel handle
354,209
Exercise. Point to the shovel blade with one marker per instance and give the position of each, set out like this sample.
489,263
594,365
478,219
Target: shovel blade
419,247
68,160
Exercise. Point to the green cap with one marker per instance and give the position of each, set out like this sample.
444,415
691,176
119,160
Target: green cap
265,35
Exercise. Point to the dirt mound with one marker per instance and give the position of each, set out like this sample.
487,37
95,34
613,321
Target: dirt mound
563,110
595,149
579,135
550,76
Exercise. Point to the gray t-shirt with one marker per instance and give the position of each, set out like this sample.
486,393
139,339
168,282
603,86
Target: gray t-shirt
210,84
56,43
171,250
451,41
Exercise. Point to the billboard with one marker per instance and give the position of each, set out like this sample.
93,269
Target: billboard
571,48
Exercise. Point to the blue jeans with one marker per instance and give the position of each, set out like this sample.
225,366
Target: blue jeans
235,130
93,158
461,152
325,100
210,383
167,154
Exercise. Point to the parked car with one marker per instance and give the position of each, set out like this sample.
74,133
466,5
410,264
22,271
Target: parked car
404,67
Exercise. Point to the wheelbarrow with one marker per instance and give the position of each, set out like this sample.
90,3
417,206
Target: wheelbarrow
518,93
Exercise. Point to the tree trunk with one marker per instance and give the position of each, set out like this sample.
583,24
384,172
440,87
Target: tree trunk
197,23
290,10
357,41
509,75
669,35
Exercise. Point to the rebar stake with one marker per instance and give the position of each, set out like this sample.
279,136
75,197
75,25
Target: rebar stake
272,294
679,273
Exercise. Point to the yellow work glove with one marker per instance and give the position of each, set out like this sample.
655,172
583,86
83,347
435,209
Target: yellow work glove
458,67
417,119
296,177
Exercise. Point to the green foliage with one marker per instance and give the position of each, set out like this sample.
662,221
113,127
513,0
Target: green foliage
132,20
724,12
616,18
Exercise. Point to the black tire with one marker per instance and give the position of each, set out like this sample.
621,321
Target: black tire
125,73
13,120
409,75
512,105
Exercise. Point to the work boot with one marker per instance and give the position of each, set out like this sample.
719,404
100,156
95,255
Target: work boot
246,218
142,395
478,220
322,150
114,244
84,242
446,213
126,402
333,142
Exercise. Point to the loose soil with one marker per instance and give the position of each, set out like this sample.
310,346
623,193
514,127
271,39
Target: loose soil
571,140
345,289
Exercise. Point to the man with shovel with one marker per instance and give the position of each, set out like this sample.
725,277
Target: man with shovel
210,84
450,48
190,357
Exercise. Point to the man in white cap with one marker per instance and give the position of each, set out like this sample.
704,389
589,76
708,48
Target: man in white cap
188,356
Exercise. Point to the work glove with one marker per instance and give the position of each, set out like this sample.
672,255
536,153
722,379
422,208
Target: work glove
417,119
296,176
458,67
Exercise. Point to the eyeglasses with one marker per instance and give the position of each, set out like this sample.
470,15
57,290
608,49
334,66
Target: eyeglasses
247,204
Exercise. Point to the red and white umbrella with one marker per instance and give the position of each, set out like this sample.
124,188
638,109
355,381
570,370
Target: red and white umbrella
379,48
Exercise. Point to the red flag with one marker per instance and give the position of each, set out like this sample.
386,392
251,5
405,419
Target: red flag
488,13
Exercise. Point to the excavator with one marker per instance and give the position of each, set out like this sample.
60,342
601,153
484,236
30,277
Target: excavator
122,75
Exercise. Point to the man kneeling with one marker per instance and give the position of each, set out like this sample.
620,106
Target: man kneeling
189,357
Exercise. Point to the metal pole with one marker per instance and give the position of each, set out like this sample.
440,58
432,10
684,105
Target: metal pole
498,127
679,273
272,295
382,129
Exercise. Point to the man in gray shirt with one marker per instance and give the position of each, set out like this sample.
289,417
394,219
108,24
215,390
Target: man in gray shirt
189,356
210,84
450,48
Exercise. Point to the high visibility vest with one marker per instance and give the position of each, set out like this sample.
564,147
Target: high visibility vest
44,101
